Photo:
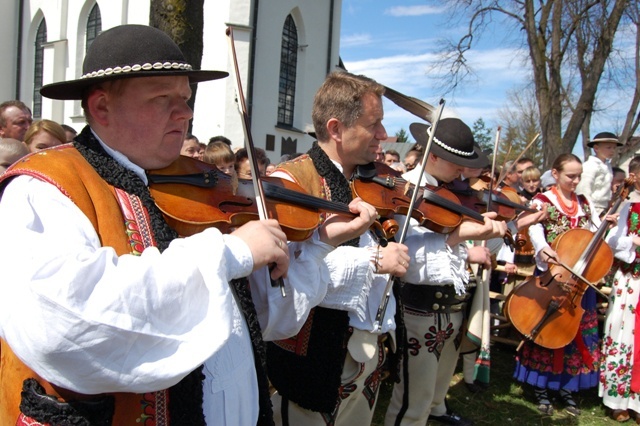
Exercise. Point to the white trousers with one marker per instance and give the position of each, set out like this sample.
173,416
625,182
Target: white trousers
433,355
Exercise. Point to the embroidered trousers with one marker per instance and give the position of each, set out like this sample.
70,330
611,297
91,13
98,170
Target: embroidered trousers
357,400
433,354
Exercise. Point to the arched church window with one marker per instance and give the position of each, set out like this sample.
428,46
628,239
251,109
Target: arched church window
288,62
94,26
38,67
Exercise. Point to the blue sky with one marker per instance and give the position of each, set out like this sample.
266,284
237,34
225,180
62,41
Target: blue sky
397,42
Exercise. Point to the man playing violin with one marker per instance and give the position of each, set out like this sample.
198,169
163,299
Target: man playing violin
330,372
435,291
115,315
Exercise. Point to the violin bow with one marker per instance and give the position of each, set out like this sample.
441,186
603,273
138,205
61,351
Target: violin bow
503,173
413,105
251,154
382,309
493,166
485,274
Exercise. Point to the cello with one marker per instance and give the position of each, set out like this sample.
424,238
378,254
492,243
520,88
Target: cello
546,309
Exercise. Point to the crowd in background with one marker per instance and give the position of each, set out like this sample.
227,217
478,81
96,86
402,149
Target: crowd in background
247,354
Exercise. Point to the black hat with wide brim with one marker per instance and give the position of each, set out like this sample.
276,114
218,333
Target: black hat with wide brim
452,142
129,51
604,137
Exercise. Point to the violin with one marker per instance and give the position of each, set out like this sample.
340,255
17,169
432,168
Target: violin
193,195
383,187
474,193
547,309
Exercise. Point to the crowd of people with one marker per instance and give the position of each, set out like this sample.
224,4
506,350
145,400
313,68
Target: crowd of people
119,319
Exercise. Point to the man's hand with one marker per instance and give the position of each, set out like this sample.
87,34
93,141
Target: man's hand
471,230
480,255
527,219
340,228
268,245
394,259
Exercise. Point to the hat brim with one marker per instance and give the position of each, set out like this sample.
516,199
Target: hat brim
595,141
477,160
75,89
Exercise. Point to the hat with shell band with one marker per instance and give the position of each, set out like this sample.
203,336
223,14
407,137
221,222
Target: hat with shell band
604,137
128,51
453,142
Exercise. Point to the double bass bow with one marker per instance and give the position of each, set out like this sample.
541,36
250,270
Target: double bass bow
547,309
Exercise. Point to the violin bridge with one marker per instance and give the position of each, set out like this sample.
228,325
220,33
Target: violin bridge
407,188
566,286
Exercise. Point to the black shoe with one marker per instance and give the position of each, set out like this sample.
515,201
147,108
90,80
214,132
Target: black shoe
473,387
452,418
476,386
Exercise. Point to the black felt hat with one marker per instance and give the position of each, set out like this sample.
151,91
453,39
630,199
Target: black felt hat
604,137
128,51
453,142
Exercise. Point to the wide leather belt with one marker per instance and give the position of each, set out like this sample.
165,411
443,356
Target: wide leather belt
436,299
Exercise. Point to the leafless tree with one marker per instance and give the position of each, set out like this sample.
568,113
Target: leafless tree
183,21
521,124
632,120
552,31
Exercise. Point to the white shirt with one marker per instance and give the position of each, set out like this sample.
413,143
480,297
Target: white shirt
94,322
618,237
353,285
433,261
595,183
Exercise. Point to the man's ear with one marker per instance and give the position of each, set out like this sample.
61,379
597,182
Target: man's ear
334,127
98,106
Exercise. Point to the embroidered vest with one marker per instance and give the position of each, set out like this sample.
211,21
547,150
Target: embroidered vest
306,368
558,221
98,201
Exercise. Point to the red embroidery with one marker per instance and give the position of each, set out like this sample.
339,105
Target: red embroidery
28,421
155,409
155,405
299,344
137,222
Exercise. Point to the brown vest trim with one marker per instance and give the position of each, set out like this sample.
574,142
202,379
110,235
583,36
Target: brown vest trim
306,368
98,202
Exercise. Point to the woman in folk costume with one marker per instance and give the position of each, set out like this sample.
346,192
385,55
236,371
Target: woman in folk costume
619,383
574,367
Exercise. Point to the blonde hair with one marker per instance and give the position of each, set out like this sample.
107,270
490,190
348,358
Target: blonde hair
48,126
531,173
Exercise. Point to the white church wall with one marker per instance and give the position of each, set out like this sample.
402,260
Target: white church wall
8,51
216,110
